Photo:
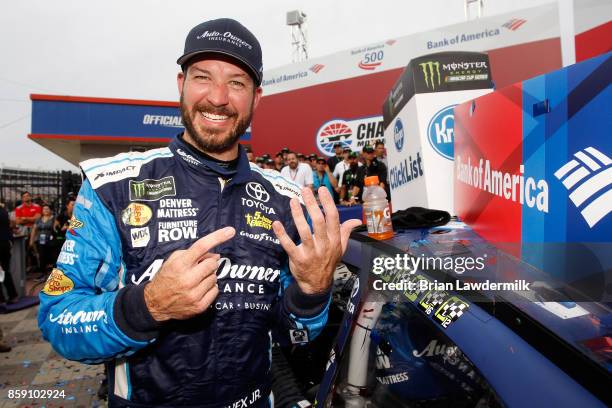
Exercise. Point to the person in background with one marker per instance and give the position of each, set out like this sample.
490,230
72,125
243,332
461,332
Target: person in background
372,167
41,239
352,183
26,215
269,165
312,161
6,237
28,212
332,161
299,173
323,177
342,167
381,153
301,158
285,152
279,163
62,224
259,161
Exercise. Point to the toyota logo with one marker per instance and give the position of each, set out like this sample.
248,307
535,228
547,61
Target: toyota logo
258,192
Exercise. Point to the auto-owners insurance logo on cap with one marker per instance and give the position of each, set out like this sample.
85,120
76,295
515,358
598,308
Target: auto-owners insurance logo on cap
440,131
226,37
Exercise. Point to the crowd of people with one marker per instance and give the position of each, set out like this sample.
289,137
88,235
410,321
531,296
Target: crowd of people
44,233
342,174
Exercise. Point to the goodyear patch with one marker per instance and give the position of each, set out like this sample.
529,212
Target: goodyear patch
136,215
57,284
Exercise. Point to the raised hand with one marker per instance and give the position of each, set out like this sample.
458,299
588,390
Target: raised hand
313,262
186,284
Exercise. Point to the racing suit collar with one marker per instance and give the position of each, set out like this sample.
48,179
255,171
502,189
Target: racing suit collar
195,160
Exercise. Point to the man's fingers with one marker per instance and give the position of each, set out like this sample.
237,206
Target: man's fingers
345,231
206,268
206,285
316,216
203,245
284,239
332,219
208,298
300,222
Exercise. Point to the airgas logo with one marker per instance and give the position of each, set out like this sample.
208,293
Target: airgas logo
398,135
441,132
431,74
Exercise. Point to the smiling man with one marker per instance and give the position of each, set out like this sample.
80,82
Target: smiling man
180,261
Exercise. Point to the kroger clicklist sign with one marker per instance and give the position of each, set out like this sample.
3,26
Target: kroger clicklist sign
440,132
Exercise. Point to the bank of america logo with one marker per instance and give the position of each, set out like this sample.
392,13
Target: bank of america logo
431,73
514,24
316,68
585,177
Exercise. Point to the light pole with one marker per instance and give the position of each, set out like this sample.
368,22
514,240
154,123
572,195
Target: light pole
296,19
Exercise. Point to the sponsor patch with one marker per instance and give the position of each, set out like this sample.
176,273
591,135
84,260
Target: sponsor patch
57,283
258,220
298,336
140,237
152,190
67,255
136,215
74,224
257,191
257,205
177,230
79,322
259,237
188,158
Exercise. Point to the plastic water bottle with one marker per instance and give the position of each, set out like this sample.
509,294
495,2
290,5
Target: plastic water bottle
376,211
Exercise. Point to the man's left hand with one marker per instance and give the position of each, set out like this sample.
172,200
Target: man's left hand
313,262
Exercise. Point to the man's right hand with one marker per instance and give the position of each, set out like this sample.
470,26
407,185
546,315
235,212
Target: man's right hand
186,284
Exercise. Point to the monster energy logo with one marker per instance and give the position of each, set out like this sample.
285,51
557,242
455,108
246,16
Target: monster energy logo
152,190
430,70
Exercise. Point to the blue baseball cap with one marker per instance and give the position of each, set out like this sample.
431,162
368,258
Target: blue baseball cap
228,37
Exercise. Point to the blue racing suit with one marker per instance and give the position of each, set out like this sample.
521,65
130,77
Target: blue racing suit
132,212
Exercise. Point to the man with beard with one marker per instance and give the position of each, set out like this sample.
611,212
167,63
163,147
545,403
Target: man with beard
373,167
180,261
334,160
298,173
381,153
342,167
28,212
352,182
323,176
279,163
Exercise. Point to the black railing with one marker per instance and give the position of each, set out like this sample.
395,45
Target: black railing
50,187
